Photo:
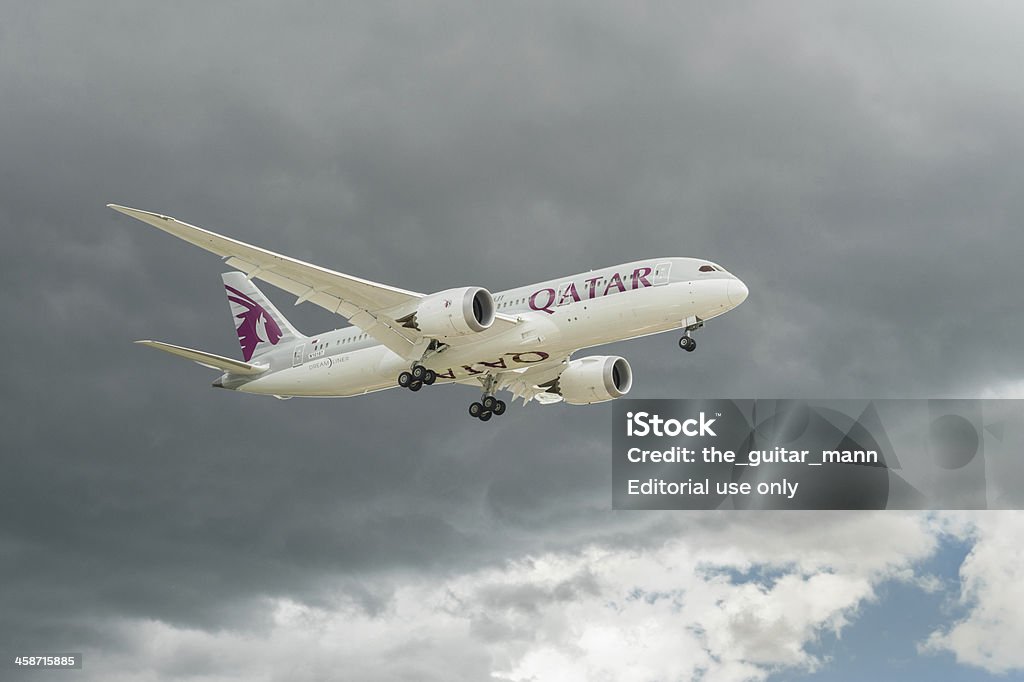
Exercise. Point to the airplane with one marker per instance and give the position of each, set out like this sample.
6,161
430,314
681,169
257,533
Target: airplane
520,341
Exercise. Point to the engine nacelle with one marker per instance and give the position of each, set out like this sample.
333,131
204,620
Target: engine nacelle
455,312
595,379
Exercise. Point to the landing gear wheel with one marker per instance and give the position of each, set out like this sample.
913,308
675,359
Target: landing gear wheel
429,377
687,343
415,386
499,408
485,416
475,409
489,402
404,379
418,372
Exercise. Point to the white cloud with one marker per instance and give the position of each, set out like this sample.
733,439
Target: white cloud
992,590
1011,388
722,602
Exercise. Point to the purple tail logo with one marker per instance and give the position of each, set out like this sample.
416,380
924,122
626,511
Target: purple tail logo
256,325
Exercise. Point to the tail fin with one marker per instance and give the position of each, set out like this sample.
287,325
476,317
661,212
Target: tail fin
259,325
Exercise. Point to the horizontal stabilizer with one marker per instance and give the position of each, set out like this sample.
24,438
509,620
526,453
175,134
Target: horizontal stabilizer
207,359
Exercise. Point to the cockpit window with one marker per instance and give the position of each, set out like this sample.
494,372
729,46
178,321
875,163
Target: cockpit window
706,268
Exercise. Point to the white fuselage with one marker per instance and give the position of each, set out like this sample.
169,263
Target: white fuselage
558,317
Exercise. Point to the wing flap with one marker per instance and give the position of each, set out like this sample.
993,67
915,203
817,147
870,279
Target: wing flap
207,359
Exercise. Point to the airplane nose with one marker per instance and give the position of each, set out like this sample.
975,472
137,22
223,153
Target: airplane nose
736,291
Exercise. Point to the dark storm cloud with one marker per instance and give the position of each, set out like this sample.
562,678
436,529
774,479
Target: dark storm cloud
856,166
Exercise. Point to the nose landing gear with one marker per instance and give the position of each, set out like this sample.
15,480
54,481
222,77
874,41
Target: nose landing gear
691,324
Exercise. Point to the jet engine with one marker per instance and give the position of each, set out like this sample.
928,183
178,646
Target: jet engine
595,379
453,312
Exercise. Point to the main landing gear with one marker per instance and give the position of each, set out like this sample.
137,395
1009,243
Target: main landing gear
488,404
686,342
417,378
485,408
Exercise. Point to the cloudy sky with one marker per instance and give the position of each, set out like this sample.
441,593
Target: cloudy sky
859,165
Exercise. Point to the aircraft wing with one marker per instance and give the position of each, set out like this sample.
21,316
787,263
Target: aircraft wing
371,306
531,383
